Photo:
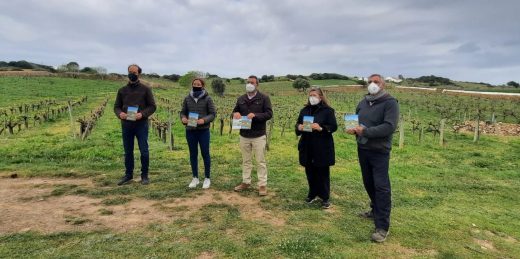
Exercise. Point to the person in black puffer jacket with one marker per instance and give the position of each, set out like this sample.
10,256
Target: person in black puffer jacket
199,103
316,145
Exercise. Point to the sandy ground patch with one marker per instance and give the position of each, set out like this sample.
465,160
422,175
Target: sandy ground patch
29,205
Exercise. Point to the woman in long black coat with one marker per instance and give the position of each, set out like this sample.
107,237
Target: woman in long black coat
316,145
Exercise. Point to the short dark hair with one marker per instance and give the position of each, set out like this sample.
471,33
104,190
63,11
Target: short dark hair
256,78
380,77
139,70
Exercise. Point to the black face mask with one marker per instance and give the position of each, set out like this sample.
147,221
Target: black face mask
197,91
133,77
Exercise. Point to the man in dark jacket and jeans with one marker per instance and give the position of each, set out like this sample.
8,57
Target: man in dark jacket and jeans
378,116
257,107
134,104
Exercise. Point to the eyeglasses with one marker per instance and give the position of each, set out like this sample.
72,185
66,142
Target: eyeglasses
375,82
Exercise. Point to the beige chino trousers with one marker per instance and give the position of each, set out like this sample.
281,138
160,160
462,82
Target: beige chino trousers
256,147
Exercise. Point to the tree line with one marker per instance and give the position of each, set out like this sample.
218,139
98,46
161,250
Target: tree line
73,67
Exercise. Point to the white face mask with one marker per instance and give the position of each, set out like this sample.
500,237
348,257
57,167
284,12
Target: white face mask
313,100
373,88
250,88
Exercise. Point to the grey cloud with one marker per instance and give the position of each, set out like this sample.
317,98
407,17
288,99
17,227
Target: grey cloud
469,47
465,40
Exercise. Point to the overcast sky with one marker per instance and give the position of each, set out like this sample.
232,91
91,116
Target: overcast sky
469,40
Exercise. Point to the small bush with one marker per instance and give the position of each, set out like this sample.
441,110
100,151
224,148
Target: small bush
301,84
218,86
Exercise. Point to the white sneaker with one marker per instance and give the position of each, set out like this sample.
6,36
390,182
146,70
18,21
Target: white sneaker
206,184
194,182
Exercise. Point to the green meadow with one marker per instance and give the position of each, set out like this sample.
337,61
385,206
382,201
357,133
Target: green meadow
457,200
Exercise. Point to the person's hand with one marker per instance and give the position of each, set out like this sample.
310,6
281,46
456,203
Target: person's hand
351,131
184,120
138,116
251,116
300,127
200,121
236,115
359,130
122,115
316,126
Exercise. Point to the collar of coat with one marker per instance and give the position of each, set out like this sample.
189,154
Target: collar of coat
318,106
257,96
380,97
134,84
202,95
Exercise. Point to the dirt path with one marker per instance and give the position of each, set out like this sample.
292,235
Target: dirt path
29,205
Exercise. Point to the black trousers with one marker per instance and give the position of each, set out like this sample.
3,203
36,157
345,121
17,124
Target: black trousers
374,169
319,181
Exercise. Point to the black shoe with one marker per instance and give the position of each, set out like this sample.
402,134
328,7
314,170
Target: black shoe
145,181
124,180
325,205
367,214
310,200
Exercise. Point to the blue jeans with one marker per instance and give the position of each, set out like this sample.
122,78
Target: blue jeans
131,131
196,138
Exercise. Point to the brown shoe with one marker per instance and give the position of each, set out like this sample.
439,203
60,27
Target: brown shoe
262,191
242,187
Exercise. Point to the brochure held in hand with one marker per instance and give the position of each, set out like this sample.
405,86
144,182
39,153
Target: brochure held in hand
307,123
131,113
192,119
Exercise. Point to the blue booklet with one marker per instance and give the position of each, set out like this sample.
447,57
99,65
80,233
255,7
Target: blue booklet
307,123
351,121
131,113
245,122
192,119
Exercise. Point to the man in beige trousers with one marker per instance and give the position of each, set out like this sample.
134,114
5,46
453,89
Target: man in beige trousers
257,107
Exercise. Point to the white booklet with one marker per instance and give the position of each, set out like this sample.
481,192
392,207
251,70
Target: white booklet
236,124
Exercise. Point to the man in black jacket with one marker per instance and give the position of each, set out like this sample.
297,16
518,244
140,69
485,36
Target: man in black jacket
378,116
134,104
257,107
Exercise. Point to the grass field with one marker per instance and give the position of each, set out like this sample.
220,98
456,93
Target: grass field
332,82
467,86
454,201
